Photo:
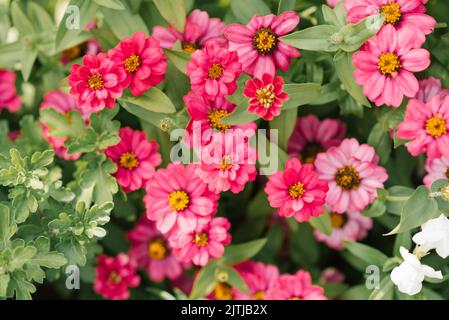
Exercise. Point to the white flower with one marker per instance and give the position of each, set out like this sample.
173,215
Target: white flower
434,235
410,274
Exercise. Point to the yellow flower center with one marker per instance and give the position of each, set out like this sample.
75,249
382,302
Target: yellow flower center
114,277
189,47
223,291
436,126
296,190
200,239
337,220
214,118
389,63
74,52
132,63
95,82
295,298
259,295
266,95
348,178
265,41
309,153
226,163
392,13
129,160
178,200
157,249
215,71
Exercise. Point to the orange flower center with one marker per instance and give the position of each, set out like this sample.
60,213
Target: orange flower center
389,63
337,220
226,163
392,13
200,239
214,117
189,47
296,190
95,82
265,40
114,277
132,63
223,291
215,71
266,95
436,126
157,249
178,200
348,178
129,160
259,295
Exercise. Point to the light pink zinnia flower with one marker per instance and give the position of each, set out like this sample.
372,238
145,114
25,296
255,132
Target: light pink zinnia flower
297,191
8,95
97,82
426,126
295,287
332,3
259,277
142,60
312,136
429,88
258,45
199,30
114,277
266,96
135,157
384,66
437,169
214,71
353,175
149,248
348,226
207,241
177,198
227,163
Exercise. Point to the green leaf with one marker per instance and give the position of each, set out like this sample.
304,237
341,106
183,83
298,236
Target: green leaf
123,23
20,20
204,281
331,17
112,4
286,5
380,139
73,251
284,124
240,252
368,254
10,54
29,55
4,281
322,223
245,10
173,11
385,291
40,18
178,58
376,209
239,116
235,280
153,100
318,38
300,94
355,35
303,245
4,226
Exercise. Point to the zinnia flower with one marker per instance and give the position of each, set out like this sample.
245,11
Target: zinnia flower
429,88
97,82
142,60
8,95
425,125
258,45
135,157
353,175
297,191
437,169
332,275
266,96
434,234
114,276
207,241
384,66
332,3
177,198
312,136
199,30
295,287
259,277
222,291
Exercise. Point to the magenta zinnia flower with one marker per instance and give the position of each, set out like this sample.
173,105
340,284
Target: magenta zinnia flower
259,277
384,66
135,157
297,191
266,96
429,88
353,175
142,60
214,71
97,82
258,45
114,276
437,169
312,136
8,95
177,198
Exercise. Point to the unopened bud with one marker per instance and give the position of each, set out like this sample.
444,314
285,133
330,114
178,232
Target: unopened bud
221,275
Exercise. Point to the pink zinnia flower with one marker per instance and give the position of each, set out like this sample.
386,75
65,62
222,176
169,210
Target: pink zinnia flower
425,125
199,30
114,277
149,248
295,287
349,226
332,275
177,198
214,71
227,163
259,277
297,191
206,242
13,135
437,169
353,175
312,136
97,82
384,66
135,157
266,96
8,95
429,88
332,3
142,60
258,45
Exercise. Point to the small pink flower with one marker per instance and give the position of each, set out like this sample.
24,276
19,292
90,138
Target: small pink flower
97,82
114,277
332,275
429,88
199,30
349,226
353,175
206,242
214,71
8,94
425,125
312,136
177,198
258,45
332,3
227,163
297,191
13,135
384,66
149,248
135,157
259,277
142,60
266,96
295,287
437,169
